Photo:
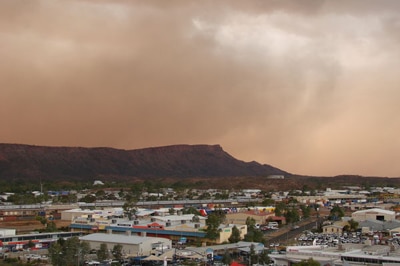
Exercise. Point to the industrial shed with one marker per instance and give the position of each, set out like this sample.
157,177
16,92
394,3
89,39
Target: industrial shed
131,245
373,215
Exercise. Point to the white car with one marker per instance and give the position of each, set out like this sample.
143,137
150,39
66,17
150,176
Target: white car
92,262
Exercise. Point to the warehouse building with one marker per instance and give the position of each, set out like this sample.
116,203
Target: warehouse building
131,244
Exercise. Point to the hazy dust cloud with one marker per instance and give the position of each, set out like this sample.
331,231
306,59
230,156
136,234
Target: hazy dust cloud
311,88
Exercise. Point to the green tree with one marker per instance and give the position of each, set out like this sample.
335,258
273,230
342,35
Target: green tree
68,252
252,255
117,251
306,210
31,244
42,220
51,227
250,223
55,254
336,213
267,202
292,215
129,208
263,258
100,194
213,222
353,225
309,262
226,258
88,199
280,209
102,253
235,236
253,233
196,219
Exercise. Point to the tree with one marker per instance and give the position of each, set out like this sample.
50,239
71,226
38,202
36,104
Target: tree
353,225
250,223
306,210
280,209
226,258
55,254
100,194
292,215
252,255
190,210
42,220
117,251
267,202
253,234
213,222
129,208
31,244
263,258
102,253
51,227
88,199
309,262
235,236
336,213
68,252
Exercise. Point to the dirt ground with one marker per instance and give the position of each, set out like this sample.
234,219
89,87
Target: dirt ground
23,227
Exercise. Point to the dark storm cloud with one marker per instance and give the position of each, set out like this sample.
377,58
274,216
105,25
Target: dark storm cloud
309,87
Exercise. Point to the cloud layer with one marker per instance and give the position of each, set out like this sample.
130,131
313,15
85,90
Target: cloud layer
311,88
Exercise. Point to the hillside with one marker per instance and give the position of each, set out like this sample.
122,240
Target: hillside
24,162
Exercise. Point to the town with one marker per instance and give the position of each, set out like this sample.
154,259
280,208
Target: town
168,226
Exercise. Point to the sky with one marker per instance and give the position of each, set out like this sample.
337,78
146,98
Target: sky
311,87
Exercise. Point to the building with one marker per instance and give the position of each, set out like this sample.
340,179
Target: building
373,214
226,232
345,254
332,229
7,232
379,226
131,244
260,217
40,240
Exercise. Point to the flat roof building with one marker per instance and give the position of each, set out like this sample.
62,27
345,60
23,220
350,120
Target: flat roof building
131,244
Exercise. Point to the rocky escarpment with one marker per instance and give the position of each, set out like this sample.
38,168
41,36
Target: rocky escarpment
77,163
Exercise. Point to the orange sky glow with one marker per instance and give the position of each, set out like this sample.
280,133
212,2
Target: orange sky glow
310,87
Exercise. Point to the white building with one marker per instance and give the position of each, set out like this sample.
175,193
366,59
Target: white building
131,245
7,232
346,255
374,214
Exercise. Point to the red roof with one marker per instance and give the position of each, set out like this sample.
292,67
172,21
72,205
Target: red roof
235,263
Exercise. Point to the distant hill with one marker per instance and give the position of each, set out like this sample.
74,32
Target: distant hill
24,162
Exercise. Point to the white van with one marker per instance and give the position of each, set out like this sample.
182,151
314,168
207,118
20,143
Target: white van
273,224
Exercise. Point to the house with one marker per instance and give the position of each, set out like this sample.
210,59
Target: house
332,229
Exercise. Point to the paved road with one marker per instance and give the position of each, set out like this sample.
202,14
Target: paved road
287,235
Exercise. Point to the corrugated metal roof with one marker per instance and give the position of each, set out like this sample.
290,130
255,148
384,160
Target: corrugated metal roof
122,239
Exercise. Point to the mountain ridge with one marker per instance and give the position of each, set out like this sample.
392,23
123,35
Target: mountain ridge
24,162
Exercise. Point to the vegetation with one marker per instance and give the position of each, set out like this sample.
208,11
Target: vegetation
253,233
309,262
117,251
235,236
102,253
352,226
68,252
226,258
213,222
336,213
